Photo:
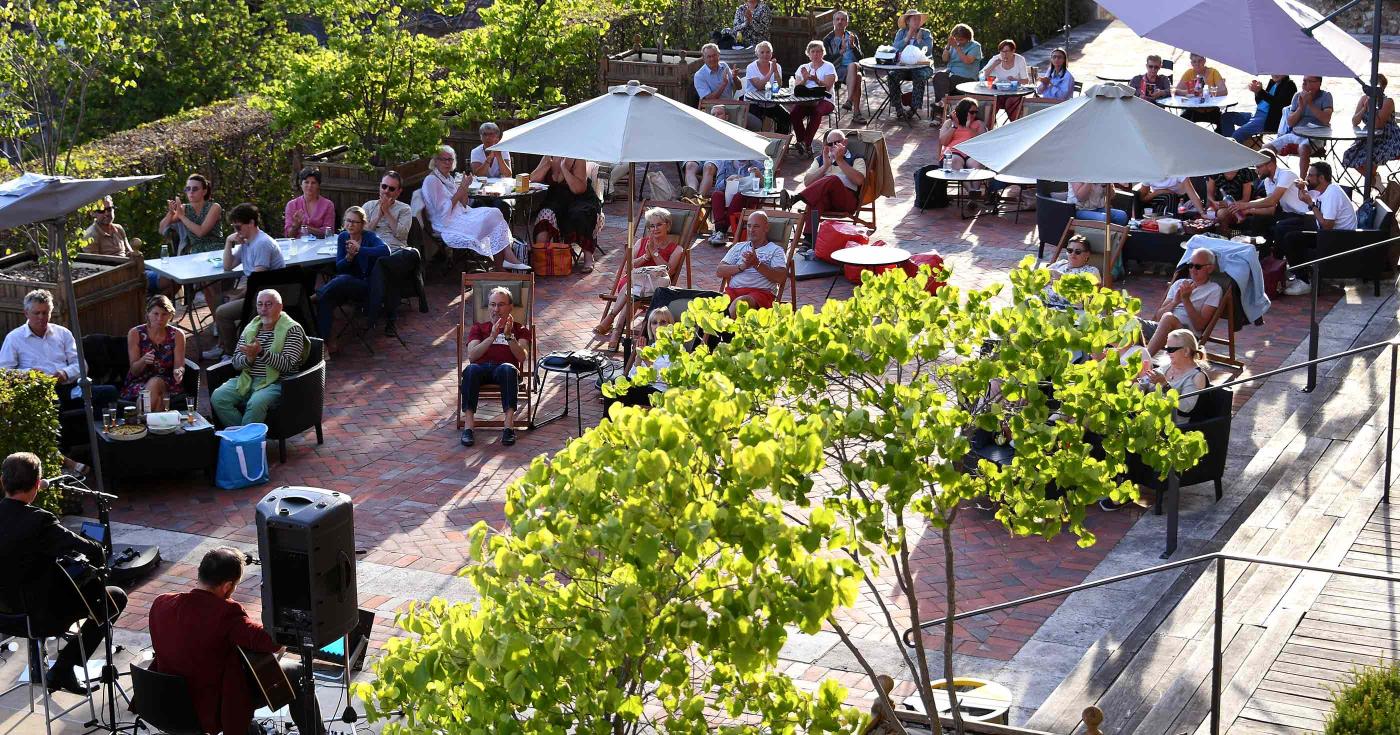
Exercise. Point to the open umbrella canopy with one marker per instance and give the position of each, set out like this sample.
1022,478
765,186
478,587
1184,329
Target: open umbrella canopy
1106,136
38,198
633,124
1254,36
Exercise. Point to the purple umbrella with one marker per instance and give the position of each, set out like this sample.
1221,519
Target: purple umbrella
1254,36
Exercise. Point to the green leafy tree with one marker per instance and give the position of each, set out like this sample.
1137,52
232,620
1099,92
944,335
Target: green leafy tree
53,54
525,58
646,584
898,380
378,85
30,418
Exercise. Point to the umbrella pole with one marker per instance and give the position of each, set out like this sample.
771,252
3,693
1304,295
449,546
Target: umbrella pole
627,255
84,381
1373,103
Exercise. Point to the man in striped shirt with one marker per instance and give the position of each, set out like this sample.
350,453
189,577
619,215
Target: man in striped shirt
272,344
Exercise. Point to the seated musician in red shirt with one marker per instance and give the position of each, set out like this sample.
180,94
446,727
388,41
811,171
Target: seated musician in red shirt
196,635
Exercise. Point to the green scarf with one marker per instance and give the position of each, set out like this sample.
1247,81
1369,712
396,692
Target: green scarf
250,335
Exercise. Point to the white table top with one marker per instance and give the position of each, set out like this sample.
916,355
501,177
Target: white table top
207,267
1332,132
978,88
870,255
965,174
1192,103
501,188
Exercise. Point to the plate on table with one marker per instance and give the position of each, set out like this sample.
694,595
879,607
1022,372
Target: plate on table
328,250
126,432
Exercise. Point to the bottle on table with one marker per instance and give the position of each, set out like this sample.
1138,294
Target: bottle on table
164,251
947,162
768,175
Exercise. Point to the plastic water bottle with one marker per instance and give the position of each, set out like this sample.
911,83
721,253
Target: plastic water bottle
773,85
768,175
1229,199
947,162
164,251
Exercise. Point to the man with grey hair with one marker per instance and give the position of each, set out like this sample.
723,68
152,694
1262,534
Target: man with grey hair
270,346
495,351
49,348
1190,303
714,80
491,165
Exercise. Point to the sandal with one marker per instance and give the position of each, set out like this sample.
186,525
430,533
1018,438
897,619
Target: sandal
602,330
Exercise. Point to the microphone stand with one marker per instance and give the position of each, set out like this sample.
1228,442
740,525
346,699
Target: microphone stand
110,686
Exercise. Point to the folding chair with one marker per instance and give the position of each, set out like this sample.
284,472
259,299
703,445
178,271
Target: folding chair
784,229
1105,240
685,217
476,292
870,146
1229,298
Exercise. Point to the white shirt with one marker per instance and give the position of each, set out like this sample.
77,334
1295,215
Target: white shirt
1173,184
1337,206
769,255
1290,201
752,74
1205,294
818,73
55,350
479,156
1018,70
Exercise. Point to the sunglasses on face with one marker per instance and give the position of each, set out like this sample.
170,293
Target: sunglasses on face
196,187
103,210
1076,251
386,187
1170,349
1197,266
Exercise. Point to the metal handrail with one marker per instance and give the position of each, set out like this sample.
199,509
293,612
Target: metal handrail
1345,253
1219,557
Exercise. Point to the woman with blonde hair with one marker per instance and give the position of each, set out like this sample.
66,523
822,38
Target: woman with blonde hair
1184,371
656,246
460,225
155,353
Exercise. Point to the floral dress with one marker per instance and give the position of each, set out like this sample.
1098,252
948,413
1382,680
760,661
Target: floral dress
1387,147
164,367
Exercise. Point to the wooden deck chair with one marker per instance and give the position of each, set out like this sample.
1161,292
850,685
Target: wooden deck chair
777,147
476,290
685,217
1032,105
784,229
1105,240
738,110
879,177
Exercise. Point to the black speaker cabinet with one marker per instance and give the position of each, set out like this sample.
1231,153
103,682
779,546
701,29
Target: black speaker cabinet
306,539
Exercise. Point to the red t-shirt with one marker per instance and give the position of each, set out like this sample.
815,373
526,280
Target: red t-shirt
499,351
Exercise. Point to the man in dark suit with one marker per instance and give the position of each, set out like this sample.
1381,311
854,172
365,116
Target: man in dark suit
31,541
196,635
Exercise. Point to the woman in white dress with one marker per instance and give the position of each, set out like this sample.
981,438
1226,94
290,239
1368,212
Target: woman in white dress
460,225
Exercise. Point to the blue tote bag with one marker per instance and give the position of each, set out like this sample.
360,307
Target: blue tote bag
242,457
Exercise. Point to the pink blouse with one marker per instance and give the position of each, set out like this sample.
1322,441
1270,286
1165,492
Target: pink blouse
322,217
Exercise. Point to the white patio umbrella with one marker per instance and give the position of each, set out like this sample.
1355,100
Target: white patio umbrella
633,124
34,198
1254,36
1106,136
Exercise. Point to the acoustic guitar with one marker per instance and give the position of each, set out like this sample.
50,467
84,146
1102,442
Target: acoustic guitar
267,673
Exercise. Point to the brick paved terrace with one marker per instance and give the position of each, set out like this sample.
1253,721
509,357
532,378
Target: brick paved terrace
391,443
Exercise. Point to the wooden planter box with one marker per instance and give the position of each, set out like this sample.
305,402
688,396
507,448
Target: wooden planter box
351,185
110,302
789,35
672,75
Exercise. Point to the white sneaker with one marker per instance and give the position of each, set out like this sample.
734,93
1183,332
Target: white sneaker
1297,287
214,353
517,267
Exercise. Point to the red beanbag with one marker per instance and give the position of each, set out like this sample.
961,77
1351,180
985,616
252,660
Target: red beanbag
935,263
833,235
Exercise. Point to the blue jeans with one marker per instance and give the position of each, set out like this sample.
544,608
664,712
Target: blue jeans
235,409
337,291
1119,216
1242,125
502,374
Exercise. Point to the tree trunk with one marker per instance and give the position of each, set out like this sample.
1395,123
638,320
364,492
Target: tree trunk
950,580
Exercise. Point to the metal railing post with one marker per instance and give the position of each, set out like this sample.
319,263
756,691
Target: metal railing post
1313,329
1217,673
1173,505
1390,422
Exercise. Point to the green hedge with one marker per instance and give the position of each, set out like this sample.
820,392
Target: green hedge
30,418
230,142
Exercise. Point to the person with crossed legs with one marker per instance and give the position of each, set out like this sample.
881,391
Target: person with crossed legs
495,350
1190,303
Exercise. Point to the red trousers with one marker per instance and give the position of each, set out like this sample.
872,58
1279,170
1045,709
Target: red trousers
806,118
828,194
722,213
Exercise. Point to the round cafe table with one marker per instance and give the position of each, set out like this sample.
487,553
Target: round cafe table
879,70
867,256
961,177
1177,102
1325,140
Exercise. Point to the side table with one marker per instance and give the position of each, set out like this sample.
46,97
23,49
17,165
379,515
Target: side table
159,454
577,375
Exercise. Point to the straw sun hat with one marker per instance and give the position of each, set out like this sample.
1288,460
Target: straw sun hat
904,19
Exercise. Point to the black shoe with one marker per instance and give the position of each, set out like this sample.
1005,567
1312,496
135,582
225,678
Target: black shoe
391,329
508,437
468,437
1108,506
57,682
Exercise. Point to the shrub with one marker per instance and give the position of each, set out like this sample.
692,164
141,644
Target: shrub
1370,705
231,142
30,418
